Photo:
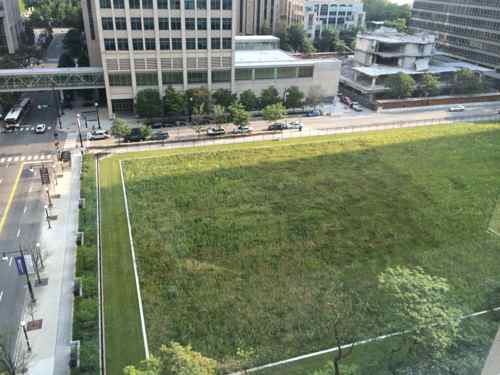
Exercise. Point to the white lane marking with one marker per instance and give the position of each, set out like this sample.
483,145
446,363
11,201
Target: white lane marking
18,232
31,188
10,261
1,295
25,209
29,157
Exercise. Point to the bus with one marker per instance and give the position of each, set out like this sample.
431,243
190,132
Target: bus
14,117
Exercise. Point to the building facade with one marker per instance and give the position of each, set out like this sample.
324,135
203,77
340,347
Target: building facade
291,12
469,29
322,15
10,25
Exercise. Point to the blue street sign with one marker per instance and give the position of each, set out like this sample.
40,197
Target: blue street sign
21,265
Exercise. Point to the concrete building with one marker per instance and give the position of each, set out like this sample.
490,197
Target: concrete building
291,12
186,43
385,52
468,29
321,15
11,25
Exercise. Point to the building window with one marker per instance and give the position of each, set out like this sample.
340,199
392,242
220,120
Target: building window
227,24
215,43
215,4
243,74
162,4
175,4
120,79
134,4
189,23
136,23
176,43
175,23
118,4
146,79
137,44
163,23
149,23
202,43
190,43
107,23
105,4
215,23
120,23
201,4
226,43
306,71
109,44
172,78
227,4
202,23
197,77
150,44
164,43
147,4
188,4
324,10
221,76
287,72
122,44
264,73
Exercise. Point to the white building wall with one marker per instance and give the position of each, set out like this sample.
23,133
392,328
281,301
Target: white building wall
12,23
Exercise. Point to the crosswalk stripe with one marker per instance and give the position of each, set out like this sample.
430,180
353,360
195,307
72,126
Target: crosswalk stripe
2,160
8,160
42,157
35,157
16,158
50,127
22,129
29,157
32,128
22,158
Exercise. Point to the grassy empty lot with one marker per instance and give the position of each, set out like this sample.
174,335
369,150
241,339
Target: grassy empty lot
238,247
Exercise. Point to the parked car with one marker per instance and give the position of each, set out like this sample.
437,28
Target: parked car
159,136
242,130
295,125
457,108
216,131
314,113
356,107
277,126
40,128
98,134
157,125
136,135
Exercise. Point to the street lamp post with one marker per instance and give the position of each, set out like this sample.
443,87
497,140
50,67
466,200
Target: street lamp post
47,216
79,129
24,269
48,196
23,325
96,105
39,253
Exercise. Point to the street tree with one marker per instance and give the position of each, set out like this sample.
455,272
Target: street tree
239,116
72,43
315,95
294,97
66,61
400,85
120,129
146,131
429,85
83,60
418,305
385,10
327,41
249,100
269,96
224,97
12,362
274,112
219,115
175,101
399,24
466,82
149,103
197,99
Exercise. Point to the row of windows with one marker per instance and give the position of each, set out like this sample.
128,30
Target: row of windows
474,44
472,55
457,30
457,10
456,20
168,78
147,23
139,44
168,4
274,73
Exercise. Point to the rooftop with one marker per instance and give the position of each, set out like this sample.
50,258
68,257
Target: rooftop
269,58
390,35
256,38
50,71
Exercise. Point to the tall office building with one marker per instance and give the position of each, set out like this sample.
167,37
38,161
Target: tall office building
469,29
291,12
322,15
10,25
155,43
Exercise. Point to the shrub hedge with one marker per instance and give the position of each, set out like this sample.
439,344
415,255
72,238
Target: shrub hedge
85,319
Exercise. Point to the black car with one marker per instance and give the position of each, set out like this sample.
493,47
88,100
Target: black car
277,126
135,135
159,136
157,125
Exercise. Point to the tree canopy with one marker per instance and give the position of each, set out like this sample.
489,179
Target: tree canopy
274,112
66,61
56,13
429,85
239,116
175,101
466,82
294,97
224,97
149,103
119,129
384,10
400,85
249,100
269,96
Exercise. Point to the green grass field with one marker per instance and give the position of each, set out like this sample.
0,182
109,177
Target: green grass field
238,245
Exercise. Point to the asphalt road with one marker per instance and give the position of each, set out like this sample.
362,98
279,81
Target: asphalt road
20,151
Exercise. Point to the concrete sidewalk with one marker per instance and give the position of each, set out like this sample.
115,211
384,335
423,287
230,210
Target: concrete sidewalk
51,344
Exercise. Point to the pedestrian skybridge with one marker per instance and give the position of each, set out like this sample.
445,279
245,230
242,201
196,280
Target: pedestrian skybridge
40,79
